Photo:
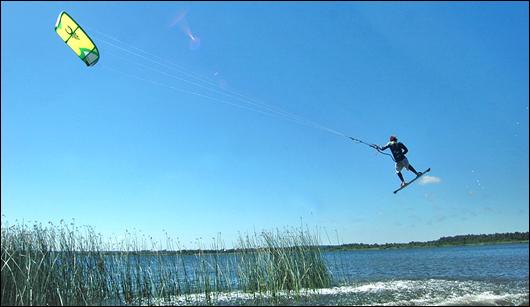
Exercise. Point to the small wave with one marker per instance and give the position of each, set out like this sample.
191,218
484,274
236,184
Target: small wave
480,299
370,287
487,299
390,293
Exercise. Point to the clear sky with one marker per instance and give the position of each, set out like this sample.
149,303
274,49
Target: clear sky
154,138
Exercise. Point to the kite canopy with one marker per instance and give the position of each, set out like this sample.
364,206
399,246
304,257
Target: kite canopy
75,37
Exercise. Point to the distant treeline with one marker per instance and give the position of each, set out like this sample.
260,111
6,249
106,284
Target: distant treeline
443,241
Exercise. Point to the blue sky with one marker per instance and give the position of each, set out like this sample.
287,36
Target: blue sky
146,140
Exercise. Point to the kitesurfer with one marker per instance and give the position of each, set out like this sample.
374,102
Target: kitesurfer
399,150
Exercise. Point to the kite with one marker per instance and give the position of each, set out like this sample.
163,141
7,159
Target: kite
75,37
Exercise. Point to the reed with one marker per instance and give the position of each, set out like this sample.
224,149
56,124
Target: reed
279,261
51,265
68,265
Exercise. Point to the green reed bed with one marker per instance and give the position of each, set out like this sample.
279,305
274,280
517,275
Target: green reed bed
51,265
277,261
68,265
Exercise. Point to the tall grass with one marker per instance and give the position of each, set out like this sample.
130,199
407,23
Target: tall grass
51,265
278,261
68,265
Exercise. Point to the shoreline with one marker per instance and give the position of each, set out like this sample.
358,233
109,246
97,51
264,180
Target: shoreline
323,248
408,245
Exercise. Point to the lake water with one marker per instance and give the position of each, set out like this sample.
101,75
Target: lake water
485,275
465,275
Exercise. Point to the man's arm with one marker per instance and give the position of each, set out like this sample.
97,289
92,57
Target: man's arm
384,147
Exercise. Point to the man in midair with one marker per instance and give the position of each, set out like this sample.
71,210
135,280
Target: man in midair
399,151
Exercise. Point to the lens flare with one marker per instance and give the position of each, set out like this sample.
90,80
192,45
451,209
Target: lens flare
182,22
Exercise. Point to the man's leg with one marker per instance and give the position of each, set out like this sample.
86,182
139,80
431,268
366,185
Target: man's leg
401,178
399,167
413,170
410,168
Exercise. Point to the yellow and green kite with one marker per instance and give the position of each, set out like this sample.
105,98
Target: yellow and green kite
75,37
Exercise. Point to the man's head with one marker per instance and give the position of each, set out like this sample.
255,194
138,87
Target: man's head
393,138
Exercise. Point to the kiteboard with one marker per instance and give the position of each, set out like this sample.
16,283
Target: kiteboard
406,184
